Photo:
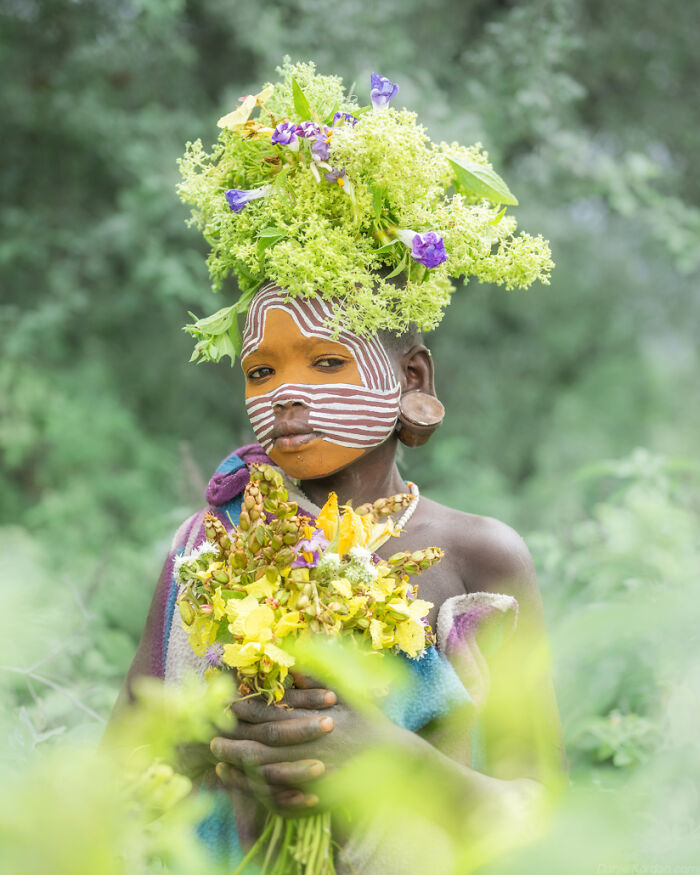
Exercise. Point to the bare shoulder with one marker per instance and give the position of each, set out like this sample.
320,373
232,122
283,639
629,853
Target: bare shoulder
490,554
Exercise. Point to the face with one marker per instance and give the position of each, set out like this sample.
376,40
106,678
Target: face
316,404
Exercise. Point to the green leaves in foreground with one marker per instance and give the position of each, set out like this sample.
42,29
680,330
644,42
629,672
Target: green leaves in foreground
481,180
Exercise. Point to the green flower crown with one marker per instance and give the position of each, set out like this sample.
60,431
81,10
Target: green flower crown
307,189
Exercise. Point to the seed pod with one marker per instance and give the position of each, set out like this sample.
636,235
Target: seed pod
276,542
239,559
290,539
302,602
220,576
285,557
187,613
261,536
244,521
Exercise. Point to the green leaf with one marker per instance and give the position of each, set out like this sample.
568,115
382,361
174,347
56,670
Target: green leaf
328,117
397,270
386,247
482,181
236,340
301,104
361,111
497,218
268,237
243,302
378,195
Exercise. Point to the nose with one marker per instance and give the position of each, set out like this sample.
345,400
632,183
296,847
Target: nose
287,403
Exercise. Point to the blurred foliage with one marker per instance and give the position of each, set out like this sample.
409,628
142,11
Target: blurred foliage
107,435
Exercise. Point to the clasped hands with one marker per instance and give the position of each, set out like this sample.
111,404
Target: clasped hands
279,754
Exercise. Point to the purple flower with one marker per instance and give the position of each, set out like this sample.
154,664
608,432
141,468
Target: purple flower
341,178
237,198
319,147
285,134
382,91
335,175
345,118
428,249
213,655
308,129
309,550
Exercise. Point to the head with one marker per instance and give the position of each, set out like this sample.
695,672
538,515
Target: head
317,403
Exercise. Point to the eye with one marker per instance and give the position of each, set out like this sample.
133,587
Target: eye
329,363
259,373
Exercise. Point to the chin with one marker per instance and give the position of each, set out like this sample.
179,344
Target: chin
316,459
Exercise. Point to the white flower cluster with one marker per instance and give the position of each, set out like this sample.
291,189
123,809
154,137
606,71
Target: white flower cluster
205,549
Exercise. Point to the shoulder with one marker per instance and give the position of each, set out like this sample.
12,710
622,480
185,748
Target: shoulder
490,554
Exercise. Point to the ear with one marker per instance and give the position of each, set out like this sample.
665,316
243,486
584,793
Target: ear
416,370
420,411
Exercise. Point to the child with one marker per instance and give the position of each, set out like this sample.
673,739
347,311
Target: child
334,379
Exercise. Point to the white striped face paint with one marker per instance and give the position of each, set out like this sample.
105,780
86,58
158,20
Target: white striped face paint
315,403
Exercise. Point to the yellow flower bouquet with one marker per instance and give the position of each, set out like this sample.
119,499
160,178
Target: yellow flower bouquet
277,577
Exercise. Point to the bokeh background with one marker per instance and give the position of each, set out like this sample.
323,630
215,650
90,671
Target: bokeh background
572,409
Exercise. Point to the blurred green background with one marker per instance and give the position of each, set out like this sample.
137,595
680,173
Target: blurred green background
572,410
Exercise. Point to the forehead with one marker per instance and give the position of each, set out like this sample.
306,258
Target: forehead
312,317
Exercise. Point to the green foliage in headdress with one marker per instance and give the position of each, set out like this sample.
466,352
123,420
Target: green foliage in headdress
336,213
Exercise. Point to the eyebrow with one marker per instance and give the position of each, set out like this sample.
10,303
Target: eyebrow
268,349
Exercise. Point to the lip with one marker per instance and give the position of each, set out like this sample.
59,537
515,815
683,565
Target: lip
292,435
295,440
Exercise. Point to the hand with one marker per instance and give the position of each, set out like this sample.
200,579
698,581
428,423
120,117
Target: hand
277,754
280,784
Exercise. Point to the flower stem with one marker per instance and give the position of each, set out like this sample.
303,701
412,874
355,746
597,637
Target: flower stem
254,850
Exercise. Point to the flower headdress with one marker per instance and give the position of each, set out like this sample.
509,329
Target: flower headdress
310,190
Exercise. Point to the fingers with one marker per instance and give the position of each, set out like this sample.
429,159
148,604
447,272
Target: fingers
277,733
314,698
291,774
284,797
304,682
256,710
247,754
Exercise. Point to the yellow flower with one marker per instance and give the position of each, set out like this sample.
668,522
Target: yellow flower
218,604
329,519
288,623
419,608
242,655
237,611
241,115
381,588
351,533
202,634
342,587
410,637
258,623
382,636
379,534
261,588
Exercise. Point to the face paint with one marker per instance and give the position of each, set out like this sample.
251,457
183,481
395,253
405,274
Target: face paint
347,413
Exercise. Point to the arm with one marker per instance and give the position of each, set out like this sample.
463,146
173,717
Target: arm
521,727
520,723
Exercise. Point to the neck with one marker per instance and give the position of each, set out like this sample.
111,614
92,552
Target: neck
372,476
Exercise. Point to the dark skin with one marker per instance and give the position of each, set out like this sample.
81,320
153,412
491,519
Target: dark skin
279,754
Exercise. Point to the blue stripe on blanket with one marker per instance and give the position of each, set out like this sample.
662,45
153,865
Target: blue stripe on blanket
170,608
